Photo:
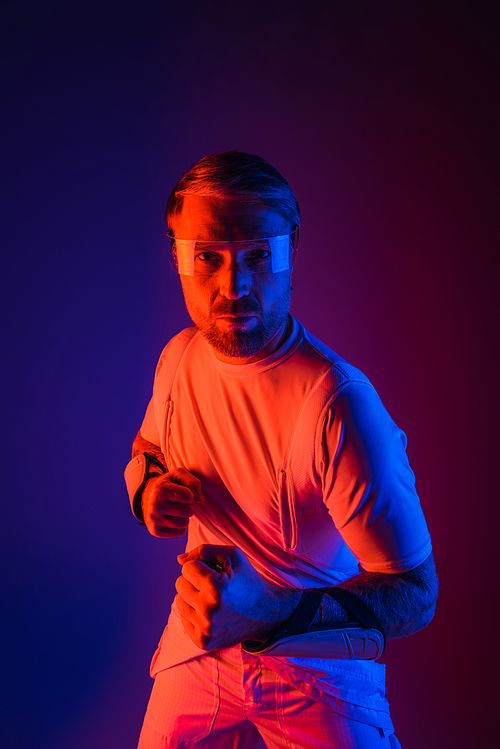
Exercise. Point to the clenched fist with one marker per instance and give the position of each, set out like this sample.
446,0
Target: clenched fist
223,600
167,502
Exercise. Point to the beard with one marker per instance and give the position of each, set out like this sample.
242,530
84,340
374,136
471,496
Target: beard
241,343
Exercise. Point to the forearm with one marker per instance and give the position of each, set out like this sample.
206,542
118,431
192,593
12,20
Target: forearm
141,446
403,603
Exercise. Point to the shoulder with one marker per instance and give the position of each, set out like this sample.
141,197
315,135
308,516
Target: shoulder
175,348
336,375
350,399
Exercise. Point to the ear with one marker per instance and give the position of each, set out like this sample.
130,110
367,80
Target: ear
295,245
173,259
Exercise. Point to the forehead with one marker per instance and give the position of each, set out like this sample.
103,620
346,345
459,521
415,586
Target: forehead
206,217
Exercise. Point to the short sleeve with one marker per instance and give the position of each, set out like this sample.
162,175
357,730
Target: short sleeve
368,485
149,427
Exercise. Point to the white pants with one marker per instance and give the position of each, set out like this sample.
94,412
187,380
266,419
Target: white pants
226,700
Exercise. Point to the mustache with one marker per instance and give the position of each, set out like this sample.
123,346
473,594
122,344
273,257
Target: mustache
236,308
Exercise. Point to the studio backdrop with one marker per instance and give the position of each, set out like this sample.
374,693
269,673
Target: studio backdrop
384,118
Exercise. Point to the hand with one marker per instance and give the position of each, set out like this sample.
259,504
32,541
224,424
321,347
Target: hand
223,600
167,502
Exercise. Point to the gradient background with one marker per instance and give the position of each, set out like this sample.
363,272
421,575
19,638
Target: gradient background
384,117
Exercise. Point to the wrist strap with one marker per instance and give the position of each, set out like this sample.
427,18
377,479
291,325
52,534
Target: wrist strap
305,612
137,473
309,603
355,606
363,641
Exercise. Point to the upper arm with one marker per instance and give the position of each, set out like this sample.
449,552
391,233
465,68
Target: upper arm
368,485
149,427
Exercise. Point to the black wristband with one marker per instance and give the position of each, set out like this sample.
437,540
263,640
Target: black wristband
152,466
305,612
310,601
355,606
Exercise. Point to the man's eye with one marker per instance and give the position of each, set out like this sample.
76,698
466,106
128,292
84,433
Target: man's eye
260,255
209,257
259,260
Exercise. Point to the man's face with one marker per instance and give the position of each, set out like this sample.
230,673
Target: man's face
242,315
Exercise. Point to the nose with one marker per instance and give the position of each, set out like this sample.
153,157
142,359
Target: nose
234,284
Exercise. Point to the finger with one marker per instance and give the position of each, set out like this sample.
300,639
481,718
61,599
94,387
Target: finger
220,567
197,553
188,556
156,500
220,558
164,488
187,612
166,527
183,607
192,623
201,596
161,531
186,590
199,575
185,478
171,509
171,514
169,521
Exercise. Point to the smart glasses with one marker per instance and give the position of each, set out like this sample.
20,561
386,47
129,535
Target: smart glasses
267,255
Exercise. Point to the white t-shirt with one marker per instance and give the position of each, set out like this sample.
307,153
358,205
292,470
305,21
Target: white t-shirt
303,469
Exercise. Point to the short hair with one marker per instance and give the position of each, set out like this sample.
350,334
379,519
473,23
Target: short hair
238,176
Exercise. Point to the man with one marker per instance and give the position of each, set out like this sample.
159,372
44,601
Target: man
289,474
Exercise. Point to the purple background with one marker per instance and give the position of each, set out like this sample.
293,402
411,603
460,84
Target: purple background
384,116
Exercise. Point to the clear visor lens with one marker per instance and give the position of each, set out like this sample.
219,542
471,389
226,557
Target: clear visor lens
268,255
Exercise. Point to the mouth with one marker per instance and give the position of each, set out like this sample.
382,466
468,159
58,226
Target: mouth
234,317
235,320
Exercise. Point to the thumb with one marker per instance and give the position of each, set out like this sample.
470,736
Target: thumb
216,557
